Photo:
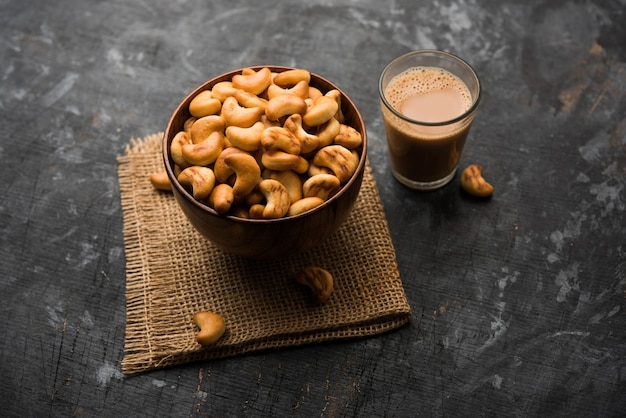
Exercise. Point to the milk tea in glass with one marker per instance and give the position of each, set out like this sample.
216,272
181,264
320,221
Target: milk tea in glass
428,100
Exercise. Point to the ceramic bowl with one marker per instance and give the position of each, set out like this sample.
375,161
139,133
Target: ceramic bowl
267,238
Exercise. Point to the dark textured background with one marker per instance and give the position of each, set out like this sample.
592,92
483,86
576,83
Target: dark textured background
518,302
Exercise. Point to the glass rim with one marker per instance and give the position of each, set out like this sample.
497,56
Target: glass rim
468,112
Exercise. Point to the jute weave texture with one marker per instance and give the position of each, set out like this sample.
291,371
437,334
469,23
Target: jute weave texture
173,272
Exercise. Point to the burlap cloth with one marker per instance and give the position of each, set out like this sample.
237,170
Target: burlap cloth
173,272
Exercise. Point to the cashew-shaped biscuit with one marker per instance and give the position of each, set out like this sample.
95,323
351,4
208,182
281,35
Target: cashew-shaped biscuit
236,115
301,89
176,148
309,103
247,99
473,182
254,197
292,77
315,170
336,95
212,327
304,205
280,139
269,123
247,172
247,139
160,181
340,160
223,90
200,179
280,161
292,182
308,142
314,94
322,110
188,123
256,211
221,198
348,137
277,198
328,132
285,105
321,185
302,165
205,152
317,279
221,170
203,127
204,104
252,81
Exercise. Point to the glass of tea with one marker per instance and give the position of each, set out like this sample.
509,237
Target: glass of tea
428,99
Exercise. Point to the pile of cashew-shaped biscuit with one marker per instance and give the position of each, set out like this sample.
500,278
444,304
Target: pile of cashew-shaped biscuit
264,145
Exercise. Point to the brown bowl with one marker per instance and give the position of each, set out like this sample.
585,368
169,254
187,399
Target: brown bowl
267,238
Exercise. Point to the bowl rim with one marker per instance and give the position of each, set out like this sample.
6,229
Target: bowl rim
205,208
